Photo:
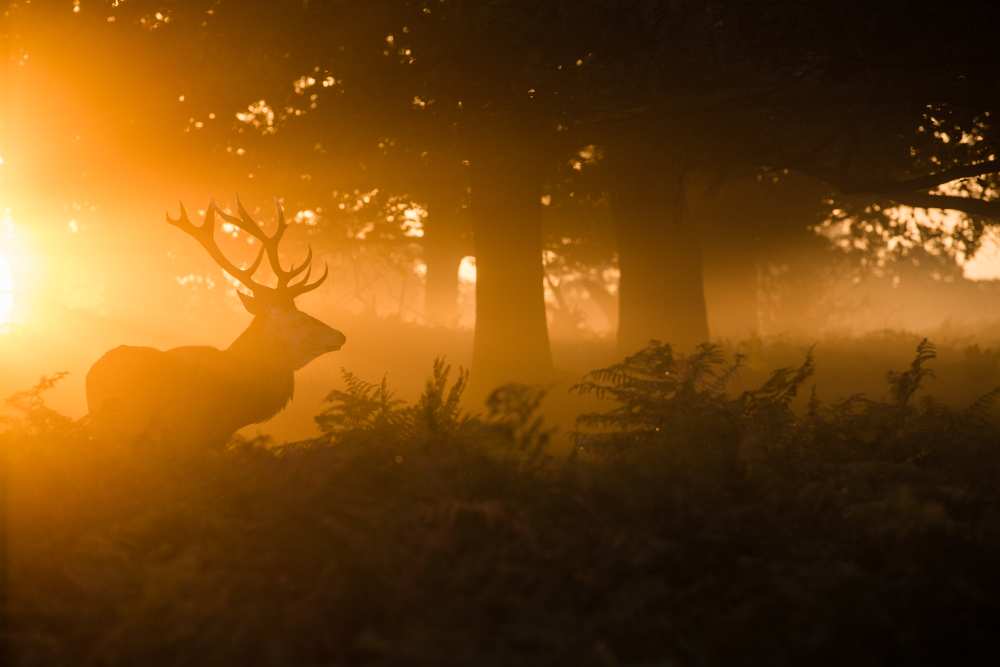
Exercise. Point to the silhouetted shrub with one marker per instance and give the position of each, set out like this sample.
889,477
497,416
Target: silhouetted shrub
685,525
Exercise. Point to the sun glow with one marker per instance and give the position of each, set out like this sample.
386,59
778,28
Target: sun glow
17,272
467,270
6,272
985,264
6,294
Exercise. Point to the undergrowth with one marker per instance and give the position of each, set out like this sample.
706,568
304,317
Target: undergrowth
688,524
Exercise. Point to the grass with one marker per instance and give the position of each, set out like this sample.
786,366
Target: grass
692,523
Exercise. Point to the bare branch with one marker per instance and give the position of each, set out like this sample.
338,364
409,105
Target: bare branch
969,205
922,183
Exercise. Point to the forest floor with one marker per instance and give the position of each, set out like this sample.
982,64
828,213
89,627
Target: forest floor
701,516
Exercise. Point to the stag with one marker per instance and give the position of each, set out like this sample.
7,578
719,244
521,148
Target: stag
199,394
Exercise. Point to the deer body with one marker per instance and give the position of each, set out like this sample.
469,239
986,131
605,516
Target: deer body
184,394
202,395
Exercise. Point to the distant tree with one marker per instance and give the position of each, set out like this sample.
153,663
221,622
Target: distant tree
421,105
472,109
699,88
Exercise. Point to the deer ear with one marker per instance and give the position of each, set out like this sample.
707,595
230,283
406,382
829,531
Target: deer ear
249,302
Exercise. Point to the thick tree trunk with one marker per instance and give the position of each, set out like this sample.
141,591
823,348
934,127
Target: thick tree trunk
729,220
511,338
661,295
441,295
444,248
732,286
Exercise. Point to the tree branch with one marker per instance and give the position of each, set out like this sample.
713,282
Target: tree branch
914,192
928,182
969,205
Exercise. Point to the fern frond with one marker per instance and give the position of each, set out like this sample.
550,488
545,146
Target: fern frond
903,385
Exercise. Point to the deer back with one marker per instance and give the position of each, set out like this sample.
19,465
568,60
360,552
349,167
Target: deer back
187,394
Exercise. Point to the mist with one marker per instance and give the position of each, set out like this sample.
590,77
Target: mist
546,278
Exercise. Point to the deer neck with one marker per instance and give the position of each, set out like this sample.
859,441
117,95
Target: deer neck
259,348
260,366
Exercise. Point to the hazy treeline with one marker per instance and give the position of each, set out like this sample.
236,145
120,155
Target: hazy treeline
643,169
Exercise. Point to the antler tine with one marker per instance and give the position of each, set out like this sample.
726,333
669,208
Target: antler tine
245,276
283,276
305,286
205,235
269,247
289,276
282,225
270,243
245,222
252,269
182,221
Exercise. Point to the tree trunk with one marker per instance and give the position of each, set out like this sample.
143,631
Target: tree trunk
444,248
729,218
511,338
732,287
441,296
659,252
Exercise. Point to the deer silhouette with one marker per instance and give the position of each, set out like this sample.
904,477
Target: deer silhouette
203,395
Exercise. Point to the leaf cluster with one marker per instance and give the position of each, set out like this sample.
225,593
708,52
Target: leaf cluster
677,410
30,412
369,414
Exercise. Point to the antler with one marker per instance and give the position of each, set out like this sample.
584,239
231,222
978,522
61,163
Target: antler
205,235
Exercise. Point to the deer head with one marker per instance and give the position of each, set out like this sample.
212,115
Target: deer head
280,335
